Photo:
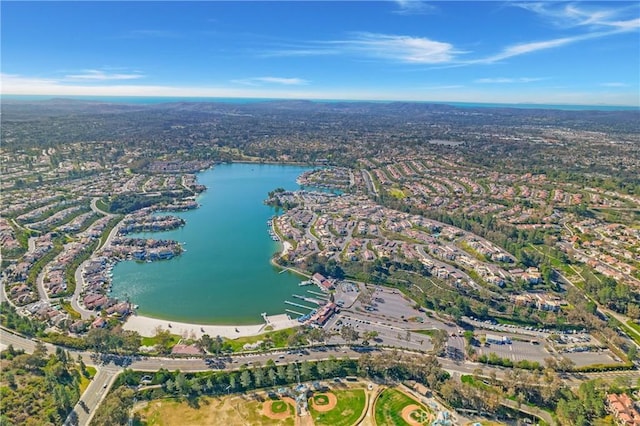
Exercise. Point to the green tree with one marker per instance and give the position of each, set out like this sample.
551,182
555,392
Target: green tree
271,373
439,340
349,334
258,376
291,373
245,379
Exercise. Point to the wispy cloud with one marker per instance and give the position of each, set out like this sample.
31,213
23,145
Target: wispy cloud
12,84
19,83
400,48
413,7
99,75
505,80
390,47
530,47
259,81
614,84
596,24
596,17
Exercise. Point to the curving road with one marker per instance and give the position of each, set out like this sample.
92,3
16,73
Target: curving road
75,299
84,312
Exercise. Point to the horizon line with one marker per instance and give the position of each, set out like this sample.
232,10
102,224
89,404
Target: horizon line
309,99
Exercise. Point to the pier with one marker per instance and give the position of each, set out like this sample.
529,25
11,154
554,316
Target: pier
300,314
320,295
309,299
298,305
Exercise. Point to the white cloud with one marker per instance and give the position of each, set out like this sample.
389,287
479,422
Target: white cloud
413,7
501,80
396,48
614,84
599,23
530,47
571,15
416,50
258,81
523,48
98,75
20,85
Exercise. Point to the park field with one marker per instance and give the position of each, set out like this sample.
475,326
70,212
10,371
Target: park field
237,410
349,406
333,407
395,408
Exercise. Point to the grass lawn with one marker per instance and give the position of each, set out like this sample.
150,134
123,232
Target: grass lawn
634,325
347,411
84,381
279,339
279,406
473,382
69,309
321,399
228,411
388,409
152,341
429,333
92,371
397,193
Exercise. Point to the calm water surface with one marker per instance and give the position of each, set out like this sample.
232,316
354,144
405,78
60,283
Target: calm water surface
225,276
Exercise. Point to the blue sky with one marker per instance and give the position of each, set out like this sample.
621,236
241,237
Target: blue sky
505,52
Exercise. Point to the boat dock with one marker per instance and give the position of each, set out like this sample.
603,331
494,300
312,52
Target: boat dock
309,299
320,295
298,305
300,314
272,231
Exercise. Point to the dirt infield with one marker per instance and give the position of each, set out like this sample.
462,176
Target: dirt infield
267,411
333,401
406,415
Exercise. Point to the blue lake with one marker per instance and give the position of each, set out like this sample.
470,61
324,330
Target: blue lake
225,275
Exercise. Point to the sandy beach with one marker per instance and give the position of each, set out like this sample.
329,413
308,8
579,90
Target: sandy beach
147,326
286,248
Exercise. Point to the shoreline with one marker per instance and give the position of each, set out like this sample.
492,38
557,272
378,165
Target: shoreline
147,327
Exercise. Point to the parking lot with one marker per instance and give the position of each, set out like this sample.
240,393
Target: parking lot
388,335
396,320
517,351
580,359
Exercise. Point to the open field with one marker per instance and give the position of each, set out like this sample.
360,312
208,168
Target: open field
350,404
228,411
337,407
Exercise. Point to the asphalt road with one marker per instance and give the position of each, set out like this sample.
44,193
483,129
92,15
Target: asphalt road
86,407
107,371
75,304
